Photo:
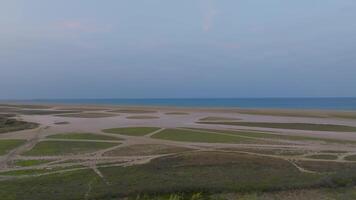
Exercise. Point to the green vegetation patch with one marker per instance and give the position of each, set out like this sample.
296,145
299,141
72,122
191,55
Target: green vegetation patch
25,106
145,149
293,126
10,125
54,148
347,169
61,123
27,163
188,173
351,158
25,172
132,131
219,119
268,135
282,152
44,112
61,186
176,113
8,145
133,111
204,172
197,136
323,156
88,115
82,136
142,117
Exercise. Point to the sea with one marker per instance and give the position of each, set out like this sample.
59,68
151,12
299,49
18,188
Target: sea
279,103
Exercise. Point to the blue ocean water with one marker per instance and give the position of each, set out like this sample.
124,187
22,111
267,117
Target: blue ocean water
283,103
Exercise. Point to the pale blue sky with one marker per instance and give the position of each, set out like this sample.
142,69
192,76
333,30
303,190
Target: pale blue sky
181,48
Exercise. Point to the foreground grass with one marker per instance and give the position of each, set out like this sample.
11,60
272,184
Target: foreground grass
55,148
27,163
294,126
132,131
32,172
8,145
82,136
197,136
182,177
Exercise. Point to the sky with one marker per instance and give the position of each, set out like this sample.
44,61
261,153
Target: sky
177,49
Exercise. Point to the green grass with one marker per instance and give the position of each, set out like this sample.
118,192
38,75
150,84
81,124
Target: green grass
189,173
347,169
132,131
146,149
142,117
62,186
293,126
87,115
54,148
219,119
176,113
27,163
8,145
323,156
196,136
10,125
267,151
24,172
133,111
351,158
254,134
25,106
45,112
82,136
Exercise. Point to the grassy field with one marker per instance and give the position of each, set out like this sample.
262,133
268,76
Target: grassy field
55,148
293,126
196,174
323,156
88,115
145,149
268,135
61,123
219,119
25,106
351,158
10,125
284,152
132,131
142,117
44,112
82,136
133,111
197,136
27,163
176,113
31,172
8,145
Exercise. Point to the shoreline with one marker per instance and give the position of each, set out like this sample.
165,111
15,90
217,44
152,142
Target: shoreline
293,104
283,112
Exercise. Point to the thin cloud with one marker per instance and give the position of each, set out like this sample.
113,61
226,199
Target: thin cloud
209,13
80,26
